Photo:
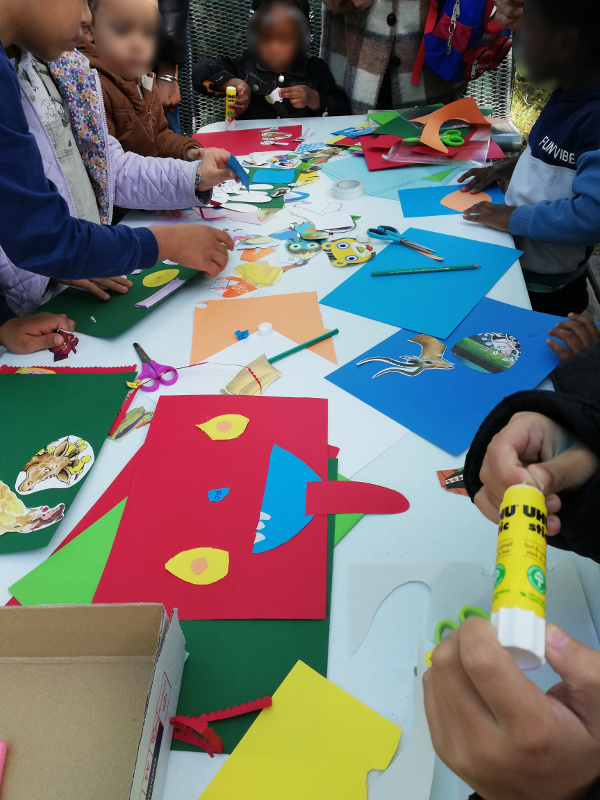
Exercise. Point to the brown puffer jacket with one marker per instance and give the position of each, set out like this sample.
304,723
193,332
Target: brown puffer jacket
135,116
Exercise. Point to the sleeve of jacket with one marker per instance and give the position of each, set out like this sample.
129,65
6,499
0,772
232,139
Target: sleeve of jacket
173,39
208,73
581,508
572,220
159,184
334,100
37,231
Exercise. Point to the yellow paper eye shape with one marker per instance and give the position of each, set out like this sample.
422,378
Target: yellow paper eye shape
160,278
225,427
200,566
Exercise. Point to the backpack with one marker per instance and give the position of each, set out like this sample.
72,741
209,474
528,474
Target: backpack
462,40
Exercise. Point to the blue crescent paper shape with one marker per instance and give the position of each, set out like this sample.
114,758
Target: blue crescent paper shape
235,165
283,510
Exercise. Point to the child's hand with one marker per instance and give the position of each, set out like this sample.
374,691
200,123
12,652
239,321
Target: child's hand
119,284
214,169
172,213
302,97
494,216
578,334
194,246
38,332
242,99
478,179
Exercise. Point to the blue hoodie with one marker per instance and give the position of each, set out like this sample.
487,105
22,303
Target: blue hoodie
37,231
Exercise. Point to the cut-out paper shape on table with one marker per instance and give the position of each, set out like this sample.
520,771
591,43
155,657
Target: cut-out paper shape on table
488,352
200,566
302,250
345,522
161,294
430,357
316,741
69,345
225,427
353,497
16,517
256,255
242,142
133,420
348,252
432,303
71,574
234,164
452,480
434,201
160,278
253,379
216,495
283,509
262,273
58,465
429,405
465,110
231,286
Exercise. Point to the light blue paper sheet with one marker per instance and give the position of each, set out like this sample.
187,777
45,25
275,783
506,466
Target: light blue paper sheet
277,176
428,202
446,403
433,303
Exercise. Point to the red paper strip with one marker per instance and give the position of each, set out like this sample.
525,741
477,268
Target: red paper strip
194,731
237,711
349,497
243,142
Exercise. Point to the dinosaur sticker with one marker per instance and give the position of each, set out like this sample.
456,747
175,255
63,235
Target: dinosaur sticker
430,357
59,465
488,352
15,517
348,252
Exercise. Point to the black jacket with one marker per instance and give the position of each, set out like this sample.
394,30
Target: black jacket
576,406
173,39
308,71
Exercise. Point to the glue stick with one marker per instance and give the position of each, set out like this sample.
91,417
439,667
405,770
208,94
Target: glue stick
519,600
230,97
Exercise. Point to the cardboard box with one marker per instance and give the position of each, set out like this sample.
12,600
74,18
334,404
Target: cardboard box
86,698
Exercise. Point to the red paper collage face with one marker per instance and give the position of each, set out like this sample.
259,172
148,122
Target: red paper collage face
178,503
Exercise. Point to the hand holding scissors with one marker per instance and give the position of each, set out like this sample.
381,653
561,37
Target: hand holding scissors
450,625
154,375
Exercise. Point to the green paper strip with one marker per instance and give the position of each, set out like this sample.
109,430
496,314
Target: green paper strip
72,574
439,176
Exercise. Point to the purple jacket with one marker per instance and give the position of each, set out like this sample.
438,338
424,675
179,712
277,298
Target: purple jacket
119,178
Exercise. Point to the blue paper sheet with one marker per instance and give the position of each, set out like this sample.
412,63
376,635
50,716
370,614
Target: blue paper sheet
432,303
445,403
277,176
428,202
241,173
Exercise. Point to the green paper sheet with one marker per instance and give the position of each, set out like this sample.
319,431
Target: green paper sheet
72,574
344,522
115,316
381,117
40,410
233,661
398,126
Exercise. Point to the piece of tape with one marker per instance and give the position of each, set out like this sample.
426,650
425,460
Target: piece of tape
348,189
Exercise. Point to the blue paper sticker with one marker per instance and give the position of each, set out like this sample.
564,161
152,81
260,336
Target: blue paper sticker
241,173
214,495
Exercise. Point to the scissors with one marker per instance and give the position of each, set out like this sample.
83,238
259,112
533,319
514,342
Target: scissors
153,374
390,234
450,625
451,138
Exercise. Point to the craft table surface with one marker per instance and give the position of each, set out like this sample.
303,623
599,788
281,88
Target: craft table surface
438,527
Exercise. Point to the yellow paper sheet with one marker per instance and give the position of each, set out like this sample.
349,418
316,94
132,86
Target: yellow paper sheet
315,743
296,316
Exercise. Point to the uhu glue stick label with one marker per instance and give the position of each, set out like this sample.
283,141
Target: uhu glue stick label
519,601
230,97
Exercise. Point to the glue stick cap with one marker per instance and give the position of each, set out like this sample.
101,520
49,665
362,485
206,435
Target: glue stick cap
523,634
265,329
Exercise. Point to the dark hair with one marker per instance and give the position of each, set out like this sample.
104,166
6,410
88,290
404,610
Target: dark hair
302,5
584,15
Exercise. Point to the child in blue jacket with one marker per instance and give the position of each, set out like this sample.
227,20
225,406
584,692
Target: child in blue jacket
553,199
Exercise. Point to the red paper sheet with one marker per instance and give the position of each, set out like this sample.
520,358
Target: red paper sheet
374,153
168,512
241,143
349,497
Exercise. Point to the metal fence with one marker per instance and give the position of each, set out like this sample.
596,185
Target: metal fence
219,26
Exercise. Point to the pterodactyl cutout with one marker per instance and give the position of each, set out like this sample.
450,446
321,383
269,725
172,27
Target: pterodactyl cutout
431,357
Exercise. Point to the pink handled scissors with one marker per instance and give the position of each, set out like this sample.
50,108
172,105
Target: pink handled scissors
153,374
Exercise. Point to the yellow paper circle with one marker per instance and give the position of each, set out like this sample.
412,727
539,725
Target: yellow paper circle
160,278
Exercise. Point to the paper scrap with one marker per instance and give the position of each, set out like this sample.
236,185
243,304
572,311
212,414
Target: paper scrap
461,201
225,427
216,495
241,173
253,379
353,497
200,566
452,480
157,297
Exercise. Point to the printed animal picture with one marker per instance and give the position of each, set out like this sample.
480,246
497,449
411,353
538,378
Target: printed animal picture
302,250
348,252
59,465
430,357
15,517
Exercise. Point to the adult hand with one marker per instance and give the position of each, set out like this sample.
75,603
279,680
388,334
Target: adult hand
38,332
490,214
168,91
242,99
500,733
509,13
302,97
578,333
196,246
118,284
536,450
214,169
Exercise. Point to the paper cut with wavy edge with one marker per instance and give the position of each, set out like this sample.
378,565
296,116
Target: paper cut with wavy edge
225,427
283,513
465,110
196,732
200,566
316,741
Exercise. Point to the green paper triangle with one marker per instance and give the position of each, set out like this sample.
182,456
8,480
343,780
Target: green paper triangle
381,117
439,176
72,574
344,522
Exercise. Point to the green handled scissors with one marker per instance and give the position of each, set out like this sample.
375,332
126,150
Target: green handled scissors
449,624
451,138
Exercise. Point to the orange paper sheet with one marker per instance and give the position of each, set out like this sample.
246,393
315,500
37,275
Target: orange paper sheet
296,316
465,110
461,201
